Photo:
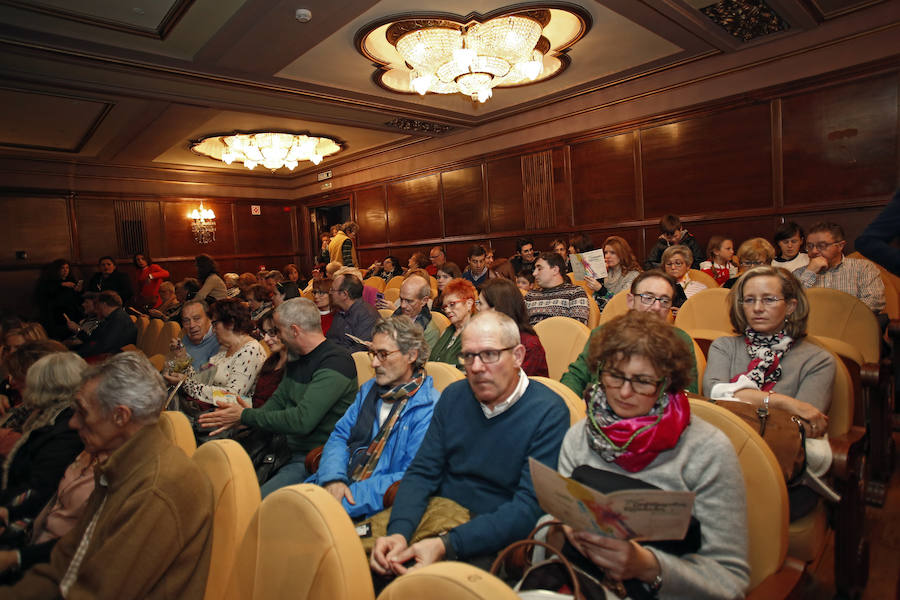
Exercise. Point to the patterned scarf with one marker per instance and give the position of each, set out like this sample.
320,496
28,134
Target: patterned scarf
766,351
634,443
363,464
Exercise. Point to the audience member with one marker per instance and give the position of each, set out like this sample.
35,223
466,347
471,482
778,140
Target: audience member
212,285
198,338
324,252
524,259
291,273
559,246
790,241
525,282
677,260
169,306
752,253
497,411
386,269
233,370
314,393
879,240
116,329
370,293
355,317
342,248
57,298
26,331
651,291
642,435
621,268
418,260
556,297
477,272
88,324
321,293
489,258
377,438
769,364
828,267
273,278
148,276
245,282
459,304
415,292
150,496
580,243
231,284
503,296
718,263
503,268
272,370
109,278
259,299
448,271
284,290
672,233
438,258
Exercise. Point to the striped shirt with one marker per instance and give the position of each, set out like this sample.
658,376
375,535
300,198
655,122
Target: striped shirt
853,276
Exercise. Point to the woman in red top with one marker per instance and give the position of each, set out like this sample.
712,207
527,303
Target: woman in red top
322,299
149,276
504,296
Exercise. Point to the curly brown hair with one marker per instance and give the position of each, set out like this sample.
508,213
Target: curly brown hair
640,334
234,313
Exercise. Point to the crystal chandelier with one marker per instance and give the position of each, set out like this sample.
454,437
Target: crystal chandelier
272,150
203,224
442,56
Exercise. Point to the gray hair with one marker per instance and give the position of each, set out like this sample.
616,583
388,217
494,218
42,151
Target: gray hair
53,378
509,331
128,379
407,334
424,286
301,312
681,249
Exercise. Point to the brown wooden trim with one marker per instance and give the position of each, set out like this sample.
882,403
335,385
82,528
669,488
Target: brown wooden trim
74,246
638,174
777,155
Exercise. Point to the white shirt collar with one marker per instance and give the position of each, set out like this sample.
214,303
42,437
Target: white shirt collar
504,406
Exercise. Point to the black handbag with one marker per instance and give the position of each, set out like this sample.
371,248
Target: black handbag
268,451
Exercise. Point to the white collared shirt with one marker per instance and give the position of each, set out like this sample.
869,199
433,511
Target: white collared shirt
504,406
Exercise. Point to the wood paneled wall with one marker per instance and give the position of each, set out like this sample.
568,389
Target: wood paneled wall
83,228
806,152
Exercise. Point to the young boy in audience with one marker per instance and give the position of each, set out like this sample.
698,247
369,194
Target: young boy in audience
671,233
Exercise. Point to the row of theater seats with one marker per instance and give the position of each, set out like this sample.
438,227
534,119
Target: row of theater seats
153,338
300,538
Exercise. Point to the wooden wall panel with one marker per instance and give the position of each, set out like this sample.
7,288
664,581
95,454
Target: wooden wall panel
463,202
178,229
562,191
737,229
96,228
840,143
414,209
603,180
853,221
153,227
268,233
504,180
370,215
708,164
39,226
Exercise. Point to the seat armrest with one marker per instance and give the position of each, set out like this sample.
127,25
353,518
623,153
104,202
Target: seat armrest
312,459
784,583
390,494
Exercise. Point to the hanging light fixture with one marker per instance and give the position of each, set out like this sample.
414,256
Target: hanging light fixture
444,56
273,150
203,224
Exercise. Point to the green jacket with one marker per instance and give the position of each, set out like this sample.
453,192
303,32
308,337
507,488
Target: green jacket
447,349
315,392
578,376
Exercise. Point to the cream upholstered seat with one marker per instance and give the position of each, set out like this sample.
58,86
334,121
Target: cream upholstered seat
364,369
178,429
394,282
375,282
838,315
440,320
443,374
772,574
236,494
704,316
448,580
577,409
385,312
301,544
704,278
392,294
147,341
617,305
563,340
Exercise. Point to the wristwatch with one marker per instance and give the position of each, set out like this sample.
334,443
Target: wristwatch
655,584
449,552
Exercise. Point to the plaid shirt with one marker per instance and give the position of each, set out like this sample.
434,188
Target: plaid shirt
854,276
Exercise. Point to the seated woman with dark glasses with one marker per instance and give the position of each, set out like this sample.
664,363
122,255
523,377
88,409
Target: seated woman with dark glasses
639,433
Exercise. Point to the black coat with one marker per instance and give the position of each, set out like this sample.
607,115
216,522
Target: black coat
117,282
114,331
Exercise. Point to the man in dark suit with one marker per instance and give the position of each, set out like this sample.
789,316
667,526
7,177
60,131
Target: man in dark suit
115,330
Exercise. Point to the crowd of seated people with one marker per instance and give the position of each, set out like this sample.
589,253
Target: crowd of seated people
270,353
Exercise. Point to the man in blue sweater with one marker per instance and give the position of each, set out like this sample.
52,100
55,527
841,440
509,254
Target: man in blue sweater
476,453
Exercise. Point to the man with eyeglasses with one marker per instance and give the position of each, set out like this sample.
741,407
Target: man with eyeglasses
828,267
653,292
317,388
414,294
376,439
437,258
476,454
355,317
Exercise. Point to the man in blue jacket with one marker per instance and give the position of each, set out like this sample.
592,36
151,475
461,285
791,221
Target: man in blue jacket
376,439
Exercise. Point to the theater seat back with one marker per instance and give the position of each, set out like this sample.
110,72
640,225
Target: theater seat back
448,581
844,317
563,340
575,404
364,369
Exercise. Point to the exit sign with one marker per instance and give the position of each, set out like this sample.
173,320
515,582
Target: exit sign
255,210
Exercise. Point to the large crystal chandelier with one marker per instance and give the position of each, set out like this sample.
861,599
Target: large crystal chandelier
272,150
203,224
442,56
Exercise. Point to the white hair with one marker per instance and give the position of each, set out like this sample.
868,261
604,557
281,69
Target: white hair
128,379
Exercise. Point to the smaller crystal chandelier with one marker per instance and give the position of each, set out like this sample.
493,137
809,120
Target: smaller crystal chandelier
203,224
272,150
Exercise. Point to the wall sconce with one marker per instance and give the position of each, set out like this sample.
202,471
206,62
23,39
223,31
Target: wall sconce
203,224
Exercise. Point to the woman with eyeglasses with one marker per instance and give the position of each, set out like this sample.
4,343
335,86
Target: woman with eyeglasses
458,305
322,299
770,364
639,433
504,296
789,244
259,298
755,252
677,261
273,369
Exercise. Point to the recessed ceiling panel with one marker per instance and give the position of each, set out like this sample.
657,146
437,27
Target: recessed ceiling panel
147,15
41,121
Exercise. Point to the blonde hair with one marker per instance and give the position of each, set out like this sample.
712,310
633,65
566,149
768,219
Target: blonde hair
794,323
53,378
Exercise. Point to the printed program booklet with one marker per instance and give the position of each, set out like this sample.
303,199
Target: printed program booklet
590,263
647,515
